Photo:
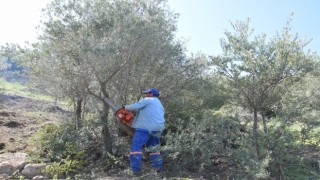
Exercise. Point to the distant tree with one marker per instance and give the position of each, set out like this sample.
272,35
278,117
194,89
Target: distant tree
14,66
259,72
3,64
3,61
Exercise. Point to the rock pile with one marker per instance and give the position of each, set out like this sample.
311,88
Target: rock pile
16,165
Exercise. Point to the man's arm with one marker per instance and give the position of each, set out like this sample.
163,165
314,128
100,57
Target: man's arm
138,105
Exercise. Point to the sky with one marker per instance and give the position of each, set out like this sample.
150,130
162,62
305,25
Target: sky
201,23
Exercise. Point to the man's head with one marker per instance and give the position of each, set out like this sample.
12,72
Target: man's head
152,92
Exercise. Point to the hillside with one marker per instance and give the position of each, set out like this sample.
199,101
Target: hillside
20,117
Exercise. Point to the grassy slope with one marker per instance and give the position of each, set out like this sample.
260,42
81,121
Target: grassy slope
15,88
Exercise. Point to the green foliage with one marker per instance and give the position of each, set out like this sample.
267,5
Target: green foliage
71,164
128,44
60,145
302,170
4,65
47,143
54,170
113,162
258,72
12,88
54,143
261,76
120,47
198,95
196,146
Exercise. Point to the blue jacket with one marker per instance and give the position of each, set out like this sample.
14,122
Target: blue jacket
150,114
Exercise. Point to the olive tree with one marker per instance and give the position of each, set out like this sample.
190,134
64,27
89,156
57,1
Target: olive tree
109,49
258,72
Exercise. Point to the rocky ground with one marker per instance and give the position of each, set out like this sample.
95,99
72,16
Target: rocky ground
20,117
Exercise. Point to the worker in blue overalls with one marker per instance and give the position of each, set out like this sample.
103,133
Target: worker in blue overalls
148,124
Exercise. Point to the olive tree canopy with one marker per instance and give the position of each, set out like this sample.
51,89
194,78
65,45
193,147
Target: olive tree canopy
109,49
259,72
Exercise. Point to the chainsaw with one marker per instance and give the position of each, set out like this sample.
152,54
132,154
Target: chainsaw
122,114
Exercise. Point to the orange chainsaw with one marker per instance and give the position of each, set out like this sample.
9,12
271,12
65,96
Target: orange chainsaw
122,114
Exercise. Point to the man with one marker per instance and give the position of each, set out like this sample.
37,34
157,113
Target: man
148,124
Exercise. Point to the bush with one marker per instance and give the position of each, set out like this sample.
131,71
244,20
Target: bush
198,145
50,142
73,163
47,144
60,145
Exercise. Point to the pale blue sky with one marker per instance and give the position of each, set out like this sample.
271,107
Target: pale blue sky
201,22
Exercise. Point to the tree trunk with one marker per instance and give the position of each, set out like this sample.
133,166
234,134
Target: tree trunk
78,113
106,135
123,127
282,176
255,132
126,129
265,128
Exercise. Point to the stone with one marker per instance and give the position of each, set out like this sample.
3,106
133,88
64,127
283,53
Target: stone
2,146
40,177
4,176
21,165
6,168
31,170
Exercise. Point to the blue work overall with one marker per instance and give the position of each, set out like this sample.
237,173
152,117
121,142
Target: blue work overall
152,140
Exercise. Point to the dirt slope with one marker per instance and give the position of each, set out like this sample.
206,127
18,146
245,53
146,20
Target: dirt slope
20,117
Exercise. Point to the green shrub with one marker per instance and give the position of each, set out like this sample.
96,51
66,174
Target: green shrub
196,146
47,144
71,164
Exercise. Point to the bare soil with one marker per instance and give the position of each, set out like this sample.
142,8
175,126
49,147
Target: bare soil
20,117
